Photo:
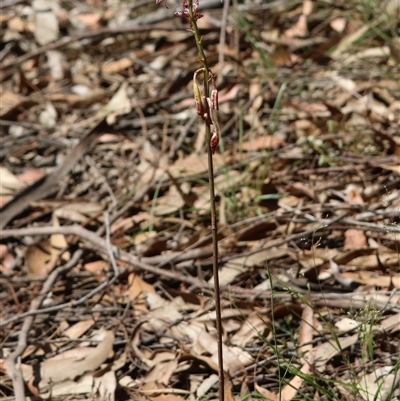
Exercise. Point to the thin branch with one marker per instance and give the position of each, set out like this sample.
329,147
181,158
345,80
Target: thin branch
108,244
99,243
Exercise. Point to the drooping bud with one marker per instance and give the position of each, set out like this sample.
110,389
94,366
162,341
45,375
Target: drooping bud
197,96
214,140
214,93
214,99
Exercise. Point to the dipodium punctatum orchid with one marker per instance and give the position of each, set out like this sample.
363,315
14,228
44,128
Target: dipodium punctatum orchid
206,101
206,106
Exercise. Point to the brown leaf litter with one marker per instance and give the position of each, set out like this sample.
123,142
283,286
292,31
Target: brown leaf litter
105,257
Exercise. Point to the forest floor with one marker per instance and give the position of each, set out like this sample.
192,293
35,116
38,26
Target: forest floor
106,273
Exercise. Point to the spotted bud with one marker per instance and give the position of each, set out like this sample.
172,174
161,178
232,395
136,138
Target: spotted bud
214,99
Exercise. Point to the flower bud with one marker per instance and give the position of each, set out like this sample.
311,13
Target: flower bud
214,141
197,96
197,99
214,99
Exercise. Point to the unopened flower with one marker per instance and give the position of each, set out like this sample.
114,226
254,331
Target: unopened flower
214,98
201,110
185,12
214,140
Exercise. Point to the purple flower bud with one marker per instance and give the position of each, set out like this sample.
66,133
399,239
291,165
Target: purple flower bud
185,12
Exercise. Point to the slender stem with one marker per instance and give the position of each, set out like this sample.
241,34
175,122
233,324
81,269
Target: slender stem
200,49
206,72
215,267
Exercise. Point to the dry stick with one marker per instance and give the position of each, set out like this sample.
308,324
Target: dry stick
100,243
108,244
13,372
206,74
356,304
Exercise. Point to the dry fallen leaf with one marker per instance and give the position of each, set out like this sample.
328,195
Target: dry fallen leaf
104,386
9,183
167,397
6,259
117,65
329,349
137,286
379,384
193,164
164,363
268,395
254,326
262,142
46,22
354,239
70,364
40,258
371,278
78,329
170,203
58,242
119,104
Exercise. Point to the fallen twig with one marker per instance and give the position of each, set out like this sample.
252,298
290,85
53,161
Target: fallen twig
99,243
